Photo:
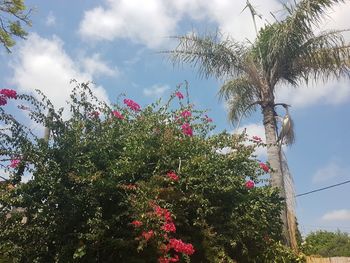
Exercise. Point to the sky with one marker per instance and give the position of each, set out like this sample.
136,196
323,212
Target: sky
116,44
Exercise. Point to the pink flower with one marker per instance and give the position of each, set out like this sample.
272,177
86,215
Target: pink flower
3,101
14,163
147,235
9,93
257,139
163,212
249,184
179,95
118,115
264,167
186,129
136,223
169,227
208,119
173,176
179,246
186,114
132,105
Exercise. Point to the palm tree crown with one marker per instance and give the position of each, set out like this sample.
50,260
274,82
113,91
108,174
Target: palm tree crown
284,51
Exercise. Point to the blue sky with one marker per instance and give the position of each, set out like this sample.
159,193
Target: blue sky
115,43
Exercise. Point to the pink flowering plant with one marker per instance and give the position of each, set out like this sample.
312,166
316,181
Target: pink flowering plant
131,183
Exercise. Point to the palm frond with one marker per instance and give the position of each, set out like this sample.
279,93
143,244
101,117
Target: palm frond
280,42
241,97
210,54
324,56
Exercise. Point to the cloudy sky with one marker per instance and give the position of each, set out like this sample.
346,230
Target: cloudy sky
115,43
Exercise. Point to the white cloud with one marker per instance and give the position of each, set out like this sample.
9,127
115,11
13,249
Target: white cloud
96,67
156,90
338,18
43,64
150,24
50,19
330,172
331,93
337,215
129,19
254,129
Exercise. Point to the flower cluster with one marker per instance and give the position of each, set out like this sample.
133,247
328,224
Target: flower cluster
186,129
118,115
249,184
179,246
186,114
179,95
163,213
147,235
169,227
7,94
265,167
132,105
257,139
15,163
173,176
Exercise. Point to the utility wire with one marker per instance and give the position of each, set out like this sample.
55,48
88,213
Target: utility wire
324,188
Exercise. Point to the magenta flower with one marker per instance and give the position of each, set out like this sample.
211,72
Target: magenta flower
249,184
147,235
9,93
15,163
257,139
186,129
179,246
136,223
186,114
179,95
3,101
173,176
169,227
132,105
264,167
118,115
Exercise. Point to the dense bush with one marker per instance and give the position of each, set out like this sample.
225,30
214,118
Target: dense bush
125,184
327,244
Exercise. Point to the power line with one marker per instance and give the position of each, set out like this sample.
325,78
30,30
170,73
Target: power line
324,188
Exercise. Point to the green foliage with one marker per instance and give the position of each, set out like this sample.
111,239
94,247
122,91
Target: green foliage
13,16
106,167
327,244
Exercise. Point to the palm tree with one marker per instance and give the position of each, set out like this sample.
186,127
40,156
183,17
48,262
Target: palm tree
286,51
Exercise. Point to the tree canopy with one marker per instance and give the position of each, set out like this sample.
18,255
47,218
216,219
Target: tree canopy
14,15
327,244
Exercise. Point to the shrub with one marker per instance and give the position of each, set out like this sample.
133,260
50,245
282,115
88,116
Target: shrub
327,244
123,183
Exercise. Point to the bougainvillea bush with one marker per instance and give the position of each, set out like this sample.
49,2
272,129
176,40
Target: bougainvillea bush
126,183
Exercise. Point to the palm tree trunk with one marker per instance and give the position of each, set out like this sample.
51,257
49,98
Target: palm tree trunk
274,158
